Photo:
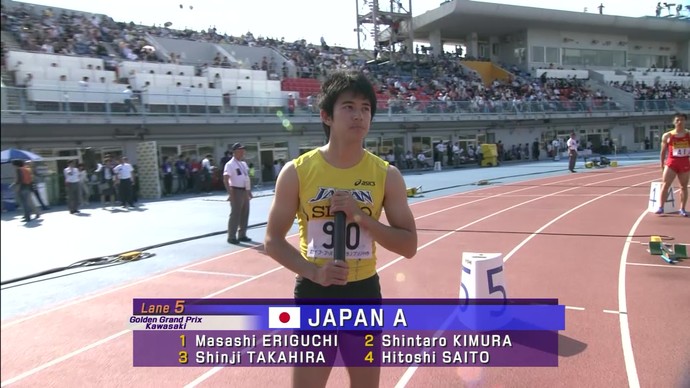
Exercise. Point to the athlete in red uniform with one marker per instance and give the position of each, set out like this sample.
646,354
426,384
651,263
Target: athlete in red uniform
675,162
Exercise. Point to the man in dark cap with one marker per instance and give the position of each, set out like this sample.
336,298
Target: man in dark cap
238,185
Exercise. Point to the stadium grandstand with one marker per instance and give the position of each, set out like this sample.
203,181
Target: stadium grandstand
79,86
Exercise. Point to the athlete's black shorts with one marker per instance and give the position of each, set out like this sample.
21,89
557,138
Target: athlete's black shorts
369,288
354,345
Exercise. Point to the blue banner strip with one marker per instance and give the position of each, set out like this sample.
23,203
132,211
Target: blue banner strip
382,317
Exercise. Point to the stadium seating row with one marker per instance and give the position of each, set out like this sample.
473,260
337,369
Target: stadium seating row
140,80
659,77
56,91
97,93
301,86
243,87
231,85
562,73
127,68
245,74
74,92
55,73
16,59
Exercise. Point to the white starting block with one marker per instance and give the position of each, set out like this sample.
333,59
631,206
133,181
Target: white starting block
669,205
482,278
437,166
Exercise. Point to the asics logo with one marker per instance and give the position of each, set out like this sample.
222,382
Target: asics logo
361,182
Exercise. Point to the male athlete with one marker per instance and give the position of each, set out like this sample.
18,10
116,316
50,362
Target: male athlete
675,162
340,176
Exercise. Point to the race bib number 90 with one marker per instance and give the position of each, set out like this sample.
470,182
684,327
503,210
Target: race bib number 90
358,242
681,152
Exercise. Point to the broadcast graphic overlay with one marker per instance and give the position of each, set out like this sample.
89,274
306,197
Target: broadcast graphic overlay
480,328
257,332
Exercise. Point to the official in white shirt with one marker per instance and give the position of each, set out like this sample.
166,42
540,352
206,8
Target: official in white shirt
73,187
572,152
127,93
238,185
125,177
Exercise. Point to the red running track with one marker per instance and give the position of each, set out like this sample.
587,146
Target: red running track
579,238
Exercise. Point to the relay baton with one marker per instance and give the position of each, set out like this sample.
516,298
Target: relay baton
339,236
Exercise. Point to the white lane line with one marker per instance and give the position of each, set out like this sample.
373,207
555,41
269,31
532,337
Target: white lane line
574,308
472,202
62,358
215,273
243,282
660,265
626,341
613,312
125,286
560,195
116,335
502,211
407,376
206,375
102,293
533,184
525,241
465,227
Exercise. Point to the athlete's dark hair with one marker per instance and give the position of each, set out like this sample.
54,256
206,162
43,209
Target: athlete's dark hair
340,82
683,115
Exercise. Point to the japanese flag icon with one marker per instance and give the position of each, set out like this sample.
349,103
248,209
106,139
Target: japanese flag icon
284,317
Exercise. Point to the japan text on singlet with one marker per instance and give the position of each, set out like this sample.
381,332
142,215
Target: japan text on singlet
679,147
318,181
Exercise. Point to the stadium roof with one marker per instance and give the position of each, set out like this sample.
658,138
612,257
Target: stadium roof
458,18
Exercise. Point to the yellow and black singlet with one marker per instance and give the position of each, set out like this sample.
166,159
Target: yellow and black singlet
318,181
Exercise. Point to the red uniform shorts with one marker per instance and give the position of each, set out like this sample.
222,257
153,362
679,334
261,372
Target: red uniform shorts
678,165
